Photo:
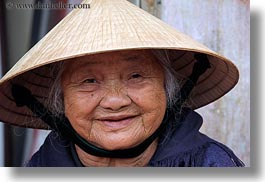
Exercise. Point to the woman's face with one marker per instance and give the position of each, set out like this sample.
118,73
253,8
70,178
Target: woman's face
114,100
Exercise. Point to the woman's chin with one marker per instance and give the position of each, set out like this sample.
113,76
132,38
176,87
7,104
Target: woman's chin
118,140
116,145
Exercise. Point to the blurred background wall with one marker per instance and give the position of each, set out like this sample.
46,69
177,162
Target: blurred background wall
1,73
222,25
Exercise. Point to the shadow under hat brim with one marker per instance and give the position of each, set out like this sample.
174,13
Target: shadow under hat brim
213,84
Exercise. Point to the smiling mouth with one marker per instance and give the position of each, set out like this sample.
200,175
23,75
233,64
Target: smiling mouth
118,122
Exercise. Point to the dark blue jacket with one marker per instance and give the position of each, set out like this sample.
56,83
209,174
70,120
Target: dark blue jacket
183,147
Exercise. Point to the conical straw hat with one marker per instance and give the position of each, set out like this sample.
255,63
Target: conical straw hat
114,25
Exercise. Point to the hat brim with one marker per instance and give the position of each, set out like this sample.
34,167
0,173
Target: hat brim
213,84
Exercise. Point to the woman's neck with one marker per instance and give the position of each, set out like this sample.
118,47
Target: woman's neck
139,161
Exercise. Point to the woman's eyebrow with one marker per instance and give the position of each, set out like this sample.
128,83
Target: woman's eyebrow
125,58
88,63
134,58
131,58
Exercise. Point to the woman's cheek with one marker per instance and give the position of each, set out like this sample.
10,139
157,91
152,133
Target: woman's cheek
79,115
148,98
78,106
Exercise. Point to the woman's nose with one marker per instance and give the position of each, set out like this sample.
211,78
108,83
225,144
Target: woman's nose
115,100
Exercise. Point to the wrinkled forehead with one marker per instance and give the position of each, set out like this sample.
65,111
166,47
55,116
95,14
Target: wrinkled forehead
143,57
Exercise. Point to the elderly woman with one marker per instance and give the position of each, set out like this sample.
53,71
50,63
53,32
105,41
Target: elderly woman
124,102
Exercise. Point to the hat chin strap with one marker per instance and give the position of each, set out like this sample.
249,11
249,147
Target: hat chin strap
23,97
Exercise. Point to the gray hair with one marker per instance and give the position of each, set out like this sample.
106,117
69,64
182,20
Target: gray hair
55,101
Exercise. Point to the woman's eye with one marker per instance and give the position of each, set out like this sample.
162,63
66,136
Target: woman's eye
90,81
135,75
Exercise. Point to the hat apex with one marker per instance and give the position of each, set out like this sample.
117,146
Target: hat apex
105,26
